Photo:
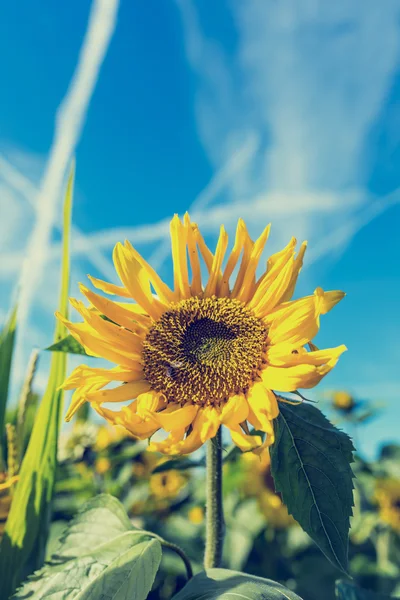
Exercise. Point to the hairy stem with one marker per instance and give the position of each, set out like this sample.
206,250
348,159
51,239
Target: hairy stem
214,508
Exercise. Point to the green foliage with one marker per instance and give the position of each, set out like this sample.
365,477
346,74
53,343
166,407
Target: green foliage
348,591
68,345
28,520
310,464
100,555
7,338
179,464
230,585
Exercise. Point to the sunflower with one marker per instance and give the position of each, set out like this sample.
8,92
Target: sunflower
203,354
387,496
343,401
257,482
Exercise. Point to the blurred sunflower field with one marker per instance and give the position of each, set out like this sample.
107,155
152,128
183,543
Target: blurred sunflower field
87,511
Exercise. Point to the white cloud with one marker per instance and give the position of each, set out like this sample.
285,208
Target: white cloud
310,79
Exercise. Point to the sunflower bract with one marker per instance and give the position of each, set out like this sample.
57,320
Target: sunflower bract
205,353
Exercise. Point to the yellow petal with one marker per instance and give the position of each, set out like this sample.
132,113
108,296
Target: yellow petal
317,358
168,445
109,288
274,283
136,427
276,288
223,288
178,244
289,379
207,423
121,339
195,286
204,250
174,417
83,373
96,346
121,393
327,300
215,273
149,402
298,263
243,441
113,311
263,403
165,294
297,322
249,276
248,245
235,410
136,281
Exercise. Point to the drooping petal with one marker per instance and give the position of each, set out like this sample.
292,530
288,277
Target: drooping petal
235,410
149,402
176,417
297,322
262,402
317,358
244,441
168,445
139,428
289,379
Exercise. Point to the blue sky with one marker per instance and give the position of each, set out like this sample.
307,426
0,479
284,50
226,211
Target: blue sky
284,112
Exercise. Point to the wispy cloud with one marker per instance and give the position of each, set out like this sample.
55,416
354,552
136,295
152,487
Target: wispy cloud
69,121
310,78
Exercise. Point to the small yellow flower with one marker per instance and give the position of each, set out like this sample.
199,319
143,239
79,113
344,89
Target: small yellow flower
196,515
343,401
102,465
108,435
258,483
387,496
167,485
203,354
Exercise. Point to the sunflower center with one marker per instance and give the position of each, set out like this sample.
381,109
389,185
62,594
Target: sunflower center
204,350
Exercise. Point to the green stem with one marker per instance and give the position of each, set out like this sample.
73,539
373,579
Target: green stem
175,548
214,513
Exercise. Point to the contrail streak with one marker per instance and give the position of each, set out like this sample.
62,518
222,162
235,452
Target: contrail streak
70,118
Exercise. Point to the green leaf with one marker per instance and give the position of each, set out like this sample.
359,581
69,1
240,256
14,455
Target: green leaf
347,591
99,555
7,338
100,520
68,345
231,585
27,525
310,464
179,464
122,569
